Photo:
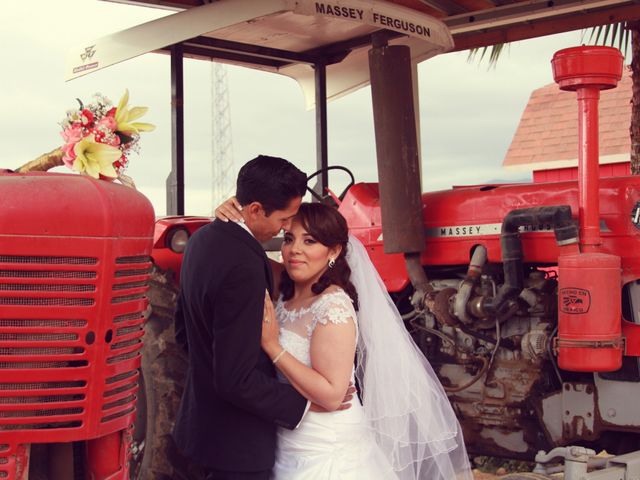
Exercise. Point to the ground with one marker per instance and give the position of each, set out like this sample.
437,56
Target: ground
492,468
478,475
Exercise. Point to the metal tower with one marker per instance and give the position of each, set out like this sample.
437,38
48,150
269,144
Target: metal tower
223,178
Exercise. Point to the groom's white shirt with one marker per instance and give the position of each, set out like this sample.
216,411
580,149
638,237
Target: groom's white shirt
244,225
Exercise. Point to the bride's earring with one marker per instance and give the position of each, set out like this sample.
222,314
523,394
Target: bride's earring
332,262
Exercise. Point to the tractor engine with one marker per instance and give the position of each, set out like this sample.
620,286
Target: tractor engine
489,322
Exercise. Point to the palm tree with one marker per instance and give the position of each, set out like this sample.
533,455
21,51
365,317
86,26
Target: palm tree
619,35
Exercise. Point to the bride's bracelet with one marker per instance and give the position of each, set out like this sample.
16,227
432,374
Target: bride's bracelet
279,356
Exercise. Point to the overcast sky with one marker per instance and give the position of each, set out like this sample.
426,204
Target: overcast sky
468,112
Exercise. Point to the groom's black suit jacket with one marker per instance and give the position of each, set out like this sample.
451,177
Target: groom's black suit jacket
232,401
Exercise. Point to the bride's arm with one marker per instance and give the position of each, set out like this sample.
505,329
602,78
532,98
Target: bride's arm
332,354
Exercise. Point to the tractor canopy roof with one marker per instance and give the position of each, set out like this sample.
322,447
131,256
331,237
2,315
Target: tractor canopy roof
282,36
292,37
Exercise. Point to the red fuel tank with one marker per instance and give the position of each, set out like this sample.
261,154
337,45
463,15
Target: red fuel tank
589,313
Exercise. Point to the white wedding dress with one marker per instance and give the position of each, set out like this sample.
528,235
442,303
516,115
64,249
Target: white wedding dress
333,445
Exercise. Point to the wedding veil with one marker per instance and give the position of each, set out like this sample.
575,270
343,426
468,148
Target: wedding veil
404,402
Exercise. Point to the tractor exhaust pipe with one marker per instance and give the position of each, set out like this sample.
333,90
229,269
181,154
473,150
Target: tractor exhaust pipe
586,71
394,101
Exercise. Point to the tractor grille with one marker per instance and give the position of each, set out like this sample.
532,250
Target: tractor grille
34,347
31,259
129,316
135,272
21,287
64,342
47,302
128,297
137,259
4,460
125,286
8,323
45,274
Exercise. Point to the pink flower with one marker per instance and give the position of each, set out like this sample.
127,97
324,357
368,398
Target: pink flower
72,134
69,153
107,122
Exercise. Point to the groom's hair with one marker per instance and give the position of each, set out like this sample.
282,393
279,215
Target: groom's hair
272,181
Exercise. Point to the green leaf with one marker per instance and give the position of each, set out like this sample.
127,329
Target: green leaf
617,35
494,54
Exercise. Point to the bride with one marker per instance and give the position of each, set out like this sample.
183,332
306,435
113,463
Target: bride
332,308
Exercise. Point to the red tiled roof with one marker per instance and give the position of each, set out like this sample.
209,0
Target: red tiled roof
547,136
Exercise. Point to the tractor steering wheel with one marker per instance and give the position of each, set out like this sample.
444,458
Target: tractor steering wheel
322,198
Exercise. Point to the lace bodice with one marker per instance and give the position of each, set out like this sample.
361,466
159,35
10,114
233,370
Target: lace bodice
297,326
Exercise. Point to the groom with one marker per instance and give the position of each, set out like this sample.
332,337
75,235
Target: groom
232,401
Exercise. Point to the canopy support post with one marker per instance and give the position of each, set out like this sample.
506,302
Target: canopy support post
322,157
175,180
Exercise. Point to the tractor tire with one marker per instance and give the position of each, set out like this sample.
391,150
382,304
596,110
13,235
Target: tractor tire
164,366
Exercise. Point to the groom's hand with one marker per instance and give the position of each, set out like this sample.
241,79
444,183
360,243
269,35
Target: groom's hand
346,401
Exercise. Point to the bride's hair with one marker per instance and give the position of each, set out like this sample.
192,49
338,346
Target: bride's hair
327,226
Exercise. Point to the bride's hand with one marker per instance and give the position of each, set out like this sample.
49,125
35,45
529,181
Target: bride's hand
346,401
270,329
230,209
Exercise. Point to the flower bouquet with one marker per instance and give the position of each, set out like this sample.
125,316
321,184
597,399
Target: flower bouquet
98,139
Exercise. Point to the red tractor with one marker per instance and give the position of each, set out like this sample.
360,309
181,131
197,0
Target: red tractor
74,270
524,297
